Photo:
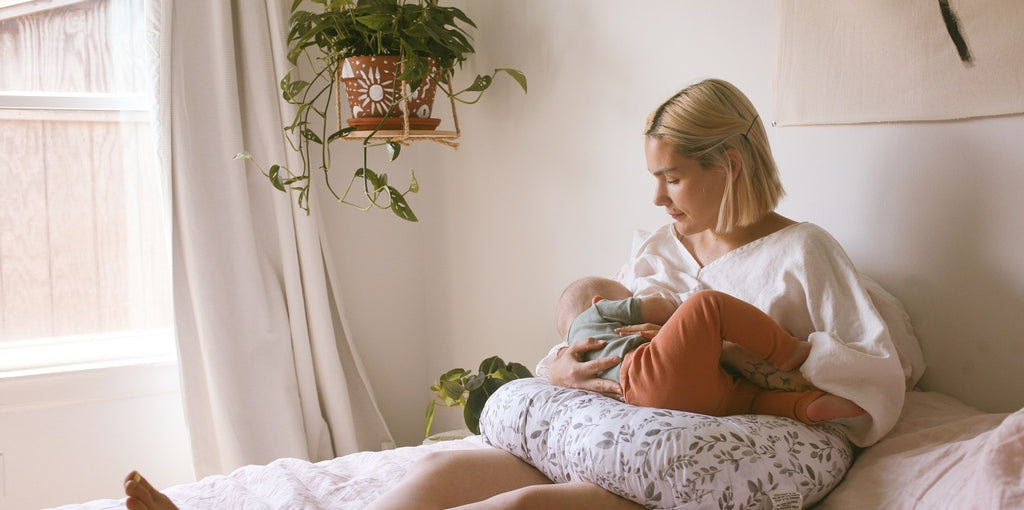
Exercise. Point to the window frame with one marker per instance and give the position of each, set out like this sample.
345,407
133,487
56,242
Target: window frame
51,355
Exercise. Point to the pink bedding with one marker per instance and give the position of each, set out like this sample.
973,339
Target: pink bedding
942,454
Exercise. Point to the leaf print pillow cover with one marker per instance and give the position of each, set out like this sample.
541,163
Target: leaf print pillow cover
665,459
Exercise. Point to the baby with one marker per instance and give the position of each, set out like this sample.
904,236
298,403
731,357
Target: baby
680,367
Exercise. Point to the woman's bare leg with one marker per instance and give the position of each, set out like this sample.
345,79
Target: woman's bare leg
467,479
142,495
452,478
560,496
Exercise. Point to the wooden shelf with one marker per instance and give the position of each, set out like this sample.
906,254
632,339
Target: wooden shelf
398,134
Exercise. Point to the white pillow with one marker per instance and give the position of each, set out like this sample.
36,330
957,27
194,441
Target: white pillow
665,459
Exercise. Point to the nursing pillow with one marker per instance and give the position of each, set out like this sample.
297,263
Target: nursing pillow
665,459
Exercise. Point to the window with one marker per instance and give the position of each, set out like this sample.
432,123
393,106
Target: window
84,230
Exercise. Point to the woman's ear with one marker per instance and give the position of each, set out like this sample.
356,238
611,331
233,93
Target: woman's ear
735,162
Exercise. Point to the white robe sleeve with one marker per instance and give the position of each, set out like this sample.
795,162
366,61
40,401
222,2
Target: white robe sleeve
900,329
852,353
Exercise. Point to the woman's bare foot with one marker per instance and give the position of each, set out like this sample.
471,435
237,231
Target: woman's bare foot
142,495
798,357
830,407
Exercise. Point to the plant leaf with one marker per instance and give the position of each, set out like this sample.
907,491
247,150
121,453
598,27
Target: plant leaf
462,16
474,406
303,199
516,74
454,390
399,206
375,21
430,417
454,374
371,176
340,133
310,135
275,177
519,370
414,185
394,149
491,385
480,84
475,381
502,374
490,365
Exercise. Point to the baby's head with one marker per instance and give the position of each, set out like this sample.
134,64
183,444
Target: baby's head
582,294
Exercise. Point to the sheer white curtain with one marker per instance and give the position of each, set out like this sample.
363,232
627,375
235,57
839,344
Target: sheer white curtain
267,371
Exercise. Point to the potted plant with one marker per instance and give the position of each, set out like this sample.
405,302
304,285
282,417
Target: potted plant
426,41
459,387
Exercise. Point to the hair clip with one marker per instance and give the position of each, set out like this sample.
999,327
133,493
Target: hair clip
752,121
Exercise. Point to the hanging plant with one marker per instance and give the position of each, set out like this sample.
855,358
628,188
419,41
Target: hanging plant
429,41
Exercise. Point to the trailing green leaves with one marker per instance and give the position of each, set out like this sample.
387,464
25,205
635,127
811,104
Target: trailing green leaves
481,83
375,185
320,39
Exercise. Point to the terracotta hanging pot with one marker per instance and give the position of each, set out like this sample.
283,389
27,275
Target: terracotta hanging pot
370,85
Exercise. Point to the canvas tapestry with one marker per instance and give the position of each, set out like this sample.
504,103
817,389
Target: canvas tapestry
884,61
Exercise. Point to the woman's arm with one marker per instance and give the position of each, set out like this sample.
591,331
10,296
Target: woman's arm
570,371
657,309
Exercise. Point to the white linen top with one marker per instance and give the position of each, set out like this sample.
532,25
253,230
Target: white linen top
803,279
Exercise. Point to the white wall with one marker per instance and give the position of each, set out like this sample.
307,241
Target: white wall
72,437
549,186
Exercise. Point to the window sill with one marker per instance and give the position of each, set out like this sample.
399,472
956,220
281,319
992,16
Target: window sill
25,358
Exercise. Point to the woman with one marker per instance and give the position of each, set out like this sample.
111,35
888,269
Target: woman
715,176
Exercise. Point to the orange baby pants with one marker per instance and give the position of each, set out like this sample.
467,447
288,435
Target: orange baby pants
681,367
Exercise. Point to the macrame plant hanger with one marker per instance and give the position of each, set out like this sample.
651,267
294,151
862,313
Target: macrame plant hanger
406,135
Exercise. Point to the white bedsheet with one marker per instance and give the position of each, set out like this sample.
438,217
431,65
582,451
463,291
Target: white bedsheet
941,454
344,483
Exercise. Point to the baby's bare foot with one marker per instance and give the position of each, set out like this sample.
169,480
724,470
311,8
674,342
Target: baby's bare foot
142,495
799,356
830,407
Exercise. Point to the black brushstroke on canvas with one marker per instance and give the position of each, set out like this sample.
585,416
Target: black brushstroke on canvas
955,31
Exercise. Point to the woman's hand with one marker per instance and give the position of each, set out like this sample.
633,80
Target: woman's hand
570,371
646,330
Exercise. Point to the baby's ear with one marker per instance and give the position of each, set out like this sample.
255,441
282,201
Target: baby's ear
597,298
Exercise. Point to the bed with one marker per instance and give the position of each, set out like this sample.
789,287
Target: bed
941,454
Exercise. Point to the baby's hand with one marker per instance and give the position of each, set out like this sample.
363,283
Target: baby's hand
646,330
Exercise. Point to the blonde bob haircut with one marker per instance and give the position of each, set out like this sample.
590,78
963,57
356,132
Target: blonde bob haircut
707,120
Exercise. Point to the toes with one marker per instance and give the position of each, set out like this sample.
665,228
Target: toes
139,492
831,407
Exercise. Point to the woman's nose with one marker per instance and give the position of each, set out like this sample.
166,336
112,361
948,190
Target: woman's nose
660,198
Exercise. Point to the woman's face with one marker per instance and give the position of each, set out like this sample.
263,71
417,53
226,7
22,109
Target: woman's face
690,194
